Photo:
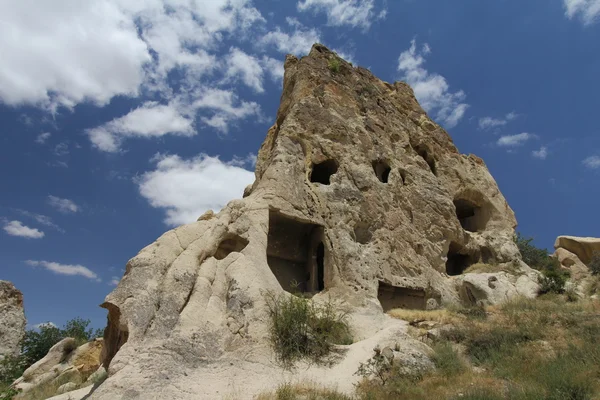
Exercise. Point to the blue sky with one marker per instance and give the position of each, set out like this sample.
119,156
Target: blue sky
122,118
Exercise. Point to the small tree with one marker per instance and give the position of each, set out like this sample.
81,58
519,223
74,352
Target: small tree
554,277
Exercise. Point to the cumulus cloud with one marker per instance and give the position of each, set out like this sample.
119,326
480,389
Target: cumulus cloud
431,89
42,137
515,140
273,67
246,68
540,154
587,10
65,269
75,51
225,106
149,120
65,206
592,162
185,189
114,281
16,228
298,41
354,13
91,52
487,123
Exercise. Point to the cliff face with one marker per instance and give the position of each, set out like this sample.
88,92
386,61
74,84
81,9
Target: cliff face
12,320
359,197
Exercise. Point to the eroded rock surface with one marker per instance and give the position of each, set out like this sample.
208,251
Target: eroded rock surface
12,319
64,368
359,197
583,247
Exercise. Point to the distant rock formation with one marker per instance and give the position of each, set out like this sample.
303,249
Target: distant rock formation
583,247
575,254
12,320
359,197
64,368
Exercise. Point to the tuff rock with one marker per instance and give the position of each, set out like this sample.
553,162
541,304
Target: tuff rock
583,247
64,363
359,197
12,320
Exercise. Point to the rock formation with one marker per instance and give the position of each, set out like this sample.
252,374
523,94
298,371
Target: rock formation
63,369
12,320
583,247
359,197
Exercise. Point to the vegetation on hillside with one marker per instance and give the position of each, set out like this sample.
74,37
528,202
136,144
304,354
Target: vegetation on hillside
301,329
35,346
540,349
554,277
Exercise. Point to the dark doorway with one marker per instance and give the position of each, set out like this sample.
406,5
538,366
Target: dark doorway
296,254
320,267
458,262
471,217
321,173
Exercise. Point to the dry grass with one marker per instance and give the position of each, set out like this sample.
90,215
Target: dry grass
304,391
547,348
481,268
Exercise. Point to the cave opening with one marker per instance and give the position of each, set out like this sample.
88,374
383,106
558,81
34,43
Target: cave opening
321,172
231,244
471,217
458,261
382,170
392,297
426,155
296,254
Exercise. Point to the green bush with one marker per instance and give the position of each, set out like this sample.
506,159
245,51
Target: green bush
299,328
334,65
595,263
554,278
447,361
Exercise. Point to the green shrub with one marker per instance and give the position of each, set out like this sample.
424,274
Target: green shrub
595,263
532,256
447,360
334,65
554,278
299,329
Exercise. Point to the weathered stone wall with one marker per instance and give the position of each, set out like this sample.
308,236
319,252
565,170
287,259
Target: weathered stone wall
12,319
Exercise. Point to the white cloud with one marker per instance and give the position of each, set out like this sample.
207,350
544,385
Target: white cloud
354,13
49,324
587,10
41,219
592,162
274,68
225,106
65,269
486,123
149,120
93,51
188,188
431,89
42,137
541,154
298,42
515,140
114,281
63,205
246,68
61,149
65,52
16,228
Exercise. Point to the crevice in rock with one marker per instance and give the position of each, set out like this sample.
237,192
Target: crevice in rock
392,297
427,156
459,260
296,254
382,170
115,334
321,172
362,232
